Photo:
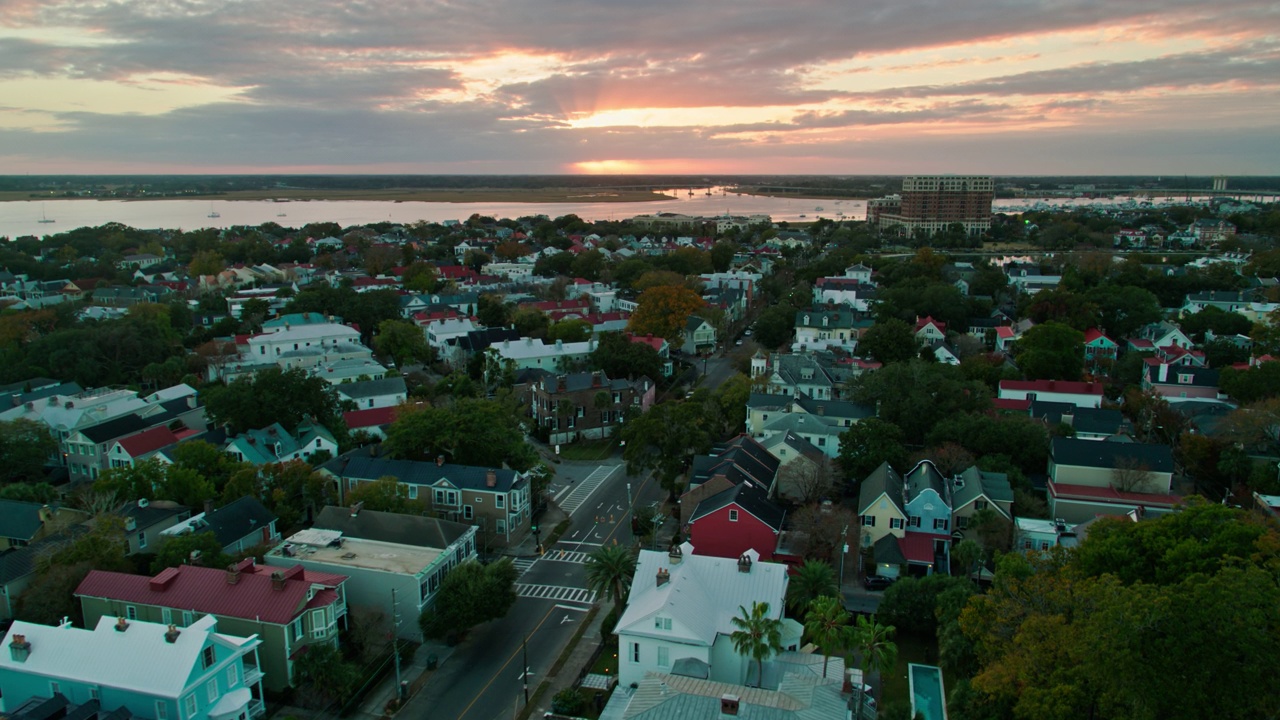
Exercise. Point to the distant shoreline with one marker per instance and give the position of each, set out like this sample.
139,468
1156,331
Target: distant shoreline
495,195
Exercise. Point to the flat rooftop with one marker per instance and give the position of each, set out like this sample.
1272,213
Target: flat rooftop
358,553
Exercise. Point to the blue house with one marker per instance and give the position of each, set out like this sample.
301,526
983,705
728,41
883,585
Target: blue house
153,671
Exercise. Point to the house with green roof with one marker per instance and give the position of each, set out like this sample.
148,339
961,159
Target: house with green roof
274,444
974,490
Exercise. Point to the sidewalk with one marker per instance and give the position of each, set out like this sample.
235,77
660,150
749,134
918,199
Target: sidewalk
413,674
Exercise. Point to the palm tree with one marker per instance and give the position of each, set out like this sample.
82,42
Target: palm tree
811,580
827,622
967,553
757,636
875,647
609,571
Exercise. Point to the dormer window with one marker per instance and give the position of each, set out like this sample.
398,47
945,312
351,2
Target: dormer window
1184,379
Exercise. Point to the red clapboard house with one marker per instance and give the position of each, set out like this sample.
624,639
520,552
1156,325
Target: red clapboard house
734,521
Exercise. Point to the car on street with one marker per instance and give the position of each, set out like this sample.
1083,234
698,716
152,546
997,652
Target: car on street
877,582
738,343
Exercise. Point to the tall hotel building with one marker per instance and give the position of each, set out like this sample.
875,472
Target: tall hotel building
931,203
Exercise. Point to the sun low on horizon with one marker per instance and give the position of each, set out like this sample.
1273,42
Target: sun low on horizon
504,87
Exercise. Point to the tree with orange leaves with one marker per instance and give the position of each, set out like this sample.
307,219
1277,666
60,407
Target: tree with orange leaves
663,310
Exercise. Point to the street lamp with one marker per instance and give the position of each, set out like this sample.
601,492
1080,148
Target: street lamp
537,539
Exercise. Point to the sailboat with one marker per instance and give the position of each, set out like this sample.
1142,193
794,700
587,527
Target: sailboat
213,213
43,217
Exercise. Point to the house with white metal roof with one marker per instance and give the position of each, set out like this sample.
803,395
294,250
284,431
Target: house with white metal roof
680,612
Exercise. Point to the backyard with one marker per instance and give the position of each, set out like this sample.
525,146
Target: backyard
589,450
894,687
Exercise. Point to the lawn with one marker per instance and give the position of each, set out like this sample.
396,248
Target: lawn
911,649
589,449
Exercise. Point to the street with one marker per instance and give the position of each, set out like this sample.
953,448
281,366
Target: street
482,679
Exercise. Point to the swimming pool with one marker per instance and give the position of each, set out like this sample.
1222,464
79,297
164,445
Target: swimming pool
927,694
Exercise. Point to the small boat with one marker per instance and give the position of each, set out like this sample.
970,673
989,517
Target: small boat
281,214
213,213
44,218
818,209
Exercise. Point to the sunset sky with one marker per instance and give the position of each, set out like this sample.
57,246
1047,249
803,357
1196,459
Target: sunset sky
697,86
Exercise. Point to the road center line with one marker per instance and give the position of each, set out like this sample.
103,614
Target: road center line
502,669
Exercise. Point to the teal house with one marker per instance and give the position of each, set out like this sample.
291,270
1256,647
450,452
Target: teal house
154,671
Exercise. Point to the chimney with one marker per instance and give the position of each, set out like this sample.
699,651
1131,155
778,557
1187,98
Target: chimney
121,624
729,704
233,574
744,564
664,576
675,555
277,580
355,509
171,636
208,506
45,514
491,479
847,687
19,648
439,460
822,409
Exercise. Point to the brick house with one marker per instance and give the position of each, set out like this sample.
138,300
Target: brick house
582,405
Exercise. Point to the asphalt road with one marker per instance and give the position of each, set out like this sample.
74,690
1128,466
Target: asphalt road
482,679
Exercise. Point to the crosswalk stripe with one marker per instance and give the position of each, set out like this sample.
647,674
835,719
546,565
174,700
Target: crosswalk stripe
556,592
585,487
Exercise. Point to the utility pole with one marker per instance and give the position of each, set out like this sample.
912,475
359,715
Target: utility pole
395,641
524,646
844,550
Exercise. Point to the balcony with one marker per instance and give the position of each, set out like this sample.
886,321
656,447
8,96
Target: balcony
257,708
252,675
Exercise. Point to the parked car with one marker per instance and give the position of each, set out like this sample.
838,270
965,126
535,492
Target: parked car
877,582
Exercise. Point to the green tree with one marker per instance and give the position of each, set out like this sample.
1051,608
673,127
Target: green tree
573,330
1260,382
26,446
421,277
916,395
911,603
664,440
468,431
868,444
722,255
889,341
609,572
201,549
619,357
1051,351
325,675
386,494
470,594
776,326
827,623
492,311
812,580
272,395
874,644
402,341
757,636
1123,309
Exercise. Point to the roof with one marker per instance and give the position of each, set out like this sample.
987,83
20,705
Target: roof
800,696
1054,386
745,455
1095,421
925,476
918,546
20,562
835,408
117,427
1102,454
154,667
888,551
750,498
237,519
392,528
372,388
701,597
1108,494
155,511
973,483
207,590
882,481
369,417
361,465
148,441
19,520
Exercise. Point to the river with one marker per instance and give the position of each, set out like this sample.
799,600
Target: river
18,219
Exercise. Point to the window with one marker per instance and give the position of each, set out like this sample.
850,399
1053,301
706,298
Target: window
1026,544
1044,544
162,710
733,516
207,658
317,624
413,492
466,512
446,497
186,618
499,501
868,521
895,523
500,527
635,652
233,676
131,612
980,504
914,521
211,690
662,623
962,522
166,616
189,705
663,657
940,523
142,540
54,688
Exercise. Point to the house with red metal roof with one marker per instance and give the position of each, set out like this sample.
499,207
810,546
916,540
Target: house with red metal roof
127,451
1097,346
289,609
1080,394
